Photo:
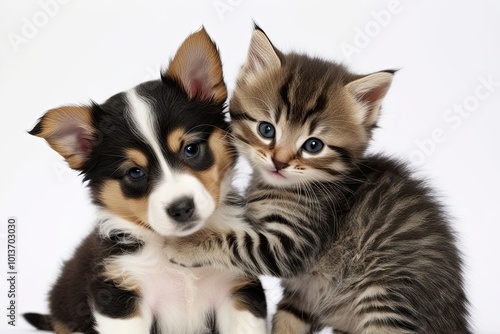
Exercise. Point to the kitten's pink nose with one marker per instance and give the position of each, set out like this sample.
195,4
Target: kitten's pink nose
279,165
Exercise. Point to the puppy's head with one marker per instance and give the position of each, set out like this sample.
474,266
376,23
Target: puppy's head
155,155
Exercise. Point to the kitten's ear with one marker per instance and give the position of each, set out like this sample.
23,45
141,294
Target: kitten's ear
198,68
370,90
70,131
262,55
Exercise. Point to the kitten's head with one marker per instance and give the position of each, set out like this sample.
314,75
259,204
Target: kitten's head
299,119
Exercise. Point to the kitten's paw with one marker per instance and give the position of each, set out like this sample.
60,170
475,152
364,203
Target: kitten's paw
186,252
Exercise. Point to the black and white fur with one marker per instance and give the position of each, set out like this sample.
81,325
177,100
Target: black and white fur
158,165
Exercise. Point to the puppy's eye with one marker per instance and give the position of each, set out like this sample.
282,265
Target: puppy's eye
266,130
136,173
313,145
191,150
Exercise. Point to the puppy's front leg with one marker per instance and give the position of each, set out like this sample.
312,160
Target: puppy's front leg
116,305
135,325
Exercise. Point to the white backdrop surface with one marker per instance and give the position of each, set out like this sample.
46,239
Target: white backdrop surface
442,112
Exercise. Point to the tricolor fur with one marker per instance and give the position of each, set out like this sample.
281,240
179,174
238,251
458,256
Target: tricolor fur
158,163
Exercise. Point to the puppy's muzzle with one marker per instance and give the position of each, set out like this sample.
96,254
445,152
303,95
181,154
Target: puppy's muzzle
182,210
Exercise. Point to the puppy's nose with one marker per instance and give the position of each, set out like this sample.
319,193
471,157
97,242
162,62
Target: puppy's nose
182,209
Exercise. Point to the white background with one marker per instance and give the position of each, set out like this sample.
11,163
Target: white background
86,50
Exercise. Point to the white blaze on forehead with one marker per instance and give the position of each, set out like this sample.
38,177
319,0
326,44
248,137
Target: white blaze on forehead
144,119
172,184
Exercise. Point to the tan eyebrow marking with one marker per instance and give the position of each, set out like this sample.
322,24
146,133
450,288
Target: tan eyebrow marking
137,157
174,139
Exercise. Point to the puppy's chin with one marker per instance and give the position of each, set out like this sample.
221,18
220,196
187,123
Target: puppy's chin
179,230
189,229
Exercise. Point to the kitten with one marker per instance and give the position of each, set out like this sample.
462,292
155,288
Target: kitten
361,245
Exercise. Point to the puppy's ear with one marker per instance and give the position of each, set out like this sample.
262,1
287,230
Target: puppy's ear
69,131
198,69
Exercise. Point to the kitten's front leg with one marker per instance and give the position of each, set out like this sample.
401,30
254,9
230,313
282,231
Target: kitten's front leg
254,249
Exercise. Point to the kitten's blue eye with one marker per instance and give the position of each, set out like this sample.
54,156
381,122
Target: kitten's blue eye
136,173
266,130
313,145
192,150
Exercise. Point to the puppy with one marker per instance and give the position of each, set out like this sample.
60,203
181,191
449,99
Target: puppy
158,163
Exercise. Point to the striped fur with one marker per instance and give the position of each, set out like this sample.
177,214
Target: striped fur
361,245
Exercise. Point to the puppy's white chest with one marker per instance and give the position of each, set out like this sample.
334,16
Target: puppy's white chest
177,298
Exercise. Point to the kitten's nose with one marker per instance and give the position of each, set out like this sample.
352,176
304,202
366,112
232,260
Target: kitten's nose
279,165
182,209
